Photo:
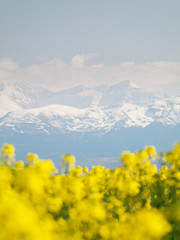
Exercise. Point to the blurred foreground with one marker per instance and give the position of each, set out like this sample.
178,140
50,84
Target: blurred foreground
135,201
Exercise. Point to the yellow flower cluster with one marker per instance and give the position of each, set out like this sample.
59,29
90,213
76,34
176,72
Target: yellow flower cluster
135,201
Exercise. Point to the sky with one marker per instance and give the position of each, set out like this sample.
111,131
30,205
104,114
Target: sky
64,43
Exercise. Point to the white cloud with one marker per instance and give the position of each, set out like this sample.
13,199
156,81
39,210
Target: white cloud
42,58
8,64
56,74
100,65
127,64
9,70
52,65
79,60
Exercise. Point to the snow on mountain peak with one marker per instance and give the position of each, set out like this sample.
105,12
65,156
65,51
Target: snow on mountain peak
84,109
124,84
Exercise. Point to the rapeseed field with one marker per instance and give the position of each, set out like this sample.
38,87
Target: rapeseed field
134,201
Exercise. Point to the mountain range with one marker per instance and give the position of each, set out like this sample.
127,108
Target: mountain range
84,120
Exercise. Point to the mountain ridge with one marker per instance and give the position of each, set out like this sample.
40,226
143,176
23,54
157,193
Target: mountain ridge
82,109
90,123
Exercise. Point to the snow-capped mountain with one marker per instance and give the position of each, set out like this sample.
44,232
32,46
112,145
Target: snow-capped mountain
91,123
29,109
127,92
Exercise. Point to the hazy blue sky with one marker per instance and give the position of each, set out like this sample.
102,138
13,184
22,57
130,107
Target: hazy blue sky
104,33
117,30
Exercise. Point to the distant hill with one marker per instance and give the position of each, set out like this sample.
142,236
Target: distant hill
89,122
